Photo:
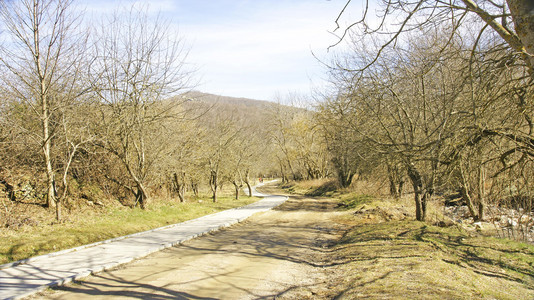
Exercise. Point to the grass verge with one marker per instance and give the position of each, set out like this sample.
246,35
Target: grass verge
414,260
93,226
386,254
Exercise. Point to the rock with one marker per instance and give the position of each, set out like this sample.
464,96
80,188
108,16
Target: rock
511,222
479,226
525,219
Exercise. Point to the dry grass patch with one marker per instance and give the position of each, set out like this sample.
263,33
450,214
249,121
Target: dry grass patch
413,260
316,187
388,255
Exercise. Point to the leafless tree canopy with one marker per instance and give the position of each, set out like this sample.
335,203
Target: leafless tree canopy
439,92
429,97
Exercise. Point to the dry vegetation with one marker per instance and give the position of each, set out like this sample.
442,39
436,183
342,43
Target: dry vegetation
100,117
385,254
93,126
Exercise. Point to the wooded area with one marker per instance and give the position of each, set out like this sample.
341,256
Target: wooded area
437,104
438,94
106,112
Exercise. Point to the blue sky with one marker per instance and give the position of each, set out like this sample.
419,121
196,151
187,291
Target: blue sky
255,49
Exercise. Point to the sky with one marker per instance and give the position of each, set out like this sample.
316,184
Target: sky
259,49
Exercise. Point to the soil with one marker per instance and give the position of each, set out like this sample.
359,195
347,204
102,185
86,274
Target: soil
282,254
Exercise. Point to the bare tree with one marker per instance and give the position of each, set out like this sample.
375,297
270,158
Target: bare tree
182,159
42,60
400,17
138,64
226,130
407,105
341,125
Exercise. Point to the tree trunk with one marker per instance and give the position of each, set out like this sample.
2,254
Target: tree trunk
347,179
290,166
181,193
426,197
194,188
50,180
401,185
214,195
418,206
344,173
523,16
466,196
395,181
344,177
283,174
247,182
237,188
214,185
50,175
141,196
392,187
180,186
481,192
481,207
58,203
249,188
419,197
464,192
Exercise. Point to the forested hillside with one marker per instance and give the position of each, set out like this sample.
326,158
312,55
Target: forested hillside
99,114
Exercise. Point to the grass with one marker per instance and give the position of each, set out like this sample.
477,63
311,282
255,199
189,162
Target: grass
414,260
92,226
316,187
353,200
386,254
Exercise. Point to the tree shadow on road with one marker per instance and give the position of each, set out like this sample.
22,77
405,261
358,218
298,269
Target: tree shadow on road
279,238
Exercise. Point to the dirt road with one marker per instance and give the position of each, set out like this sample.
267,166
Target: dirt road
281,253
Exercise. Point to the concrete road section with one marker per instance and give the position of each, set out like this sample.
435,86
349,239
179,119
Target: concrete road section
27,277
283,253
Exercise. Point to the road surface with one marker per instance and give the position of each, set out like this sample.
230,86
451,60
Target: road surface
282,253
24,278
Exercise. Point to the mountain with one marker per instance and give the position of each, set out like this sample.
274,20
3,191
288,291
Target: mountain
197,96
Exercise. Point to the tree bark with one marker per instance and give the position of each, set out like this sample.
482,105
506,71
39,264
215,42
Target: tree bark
426,197
141,195
247,182
523,16
194,188
214,185
50,174
283,174
237,188
400,187
464,192
419,194
180,186
481,192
